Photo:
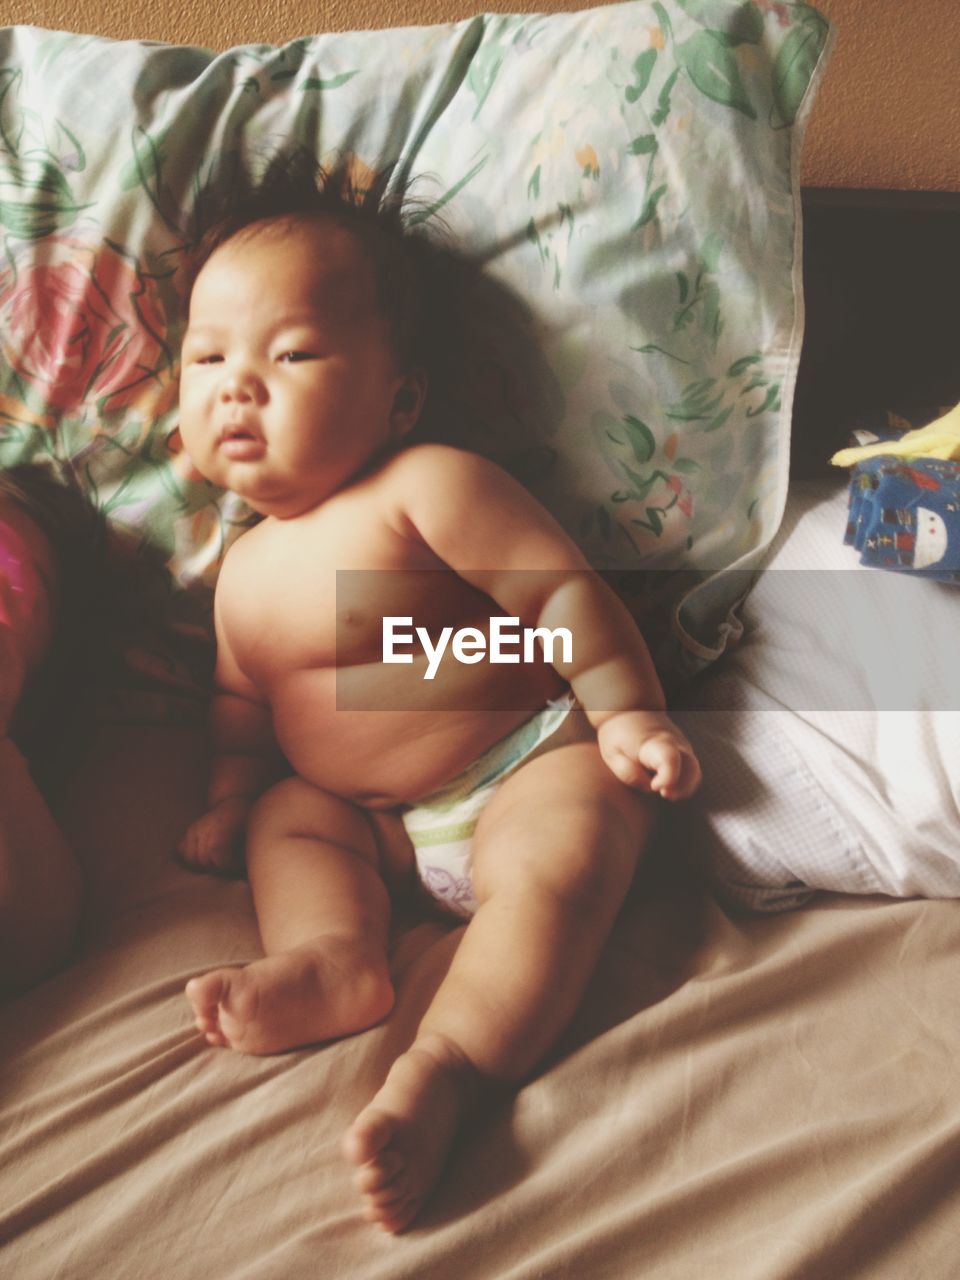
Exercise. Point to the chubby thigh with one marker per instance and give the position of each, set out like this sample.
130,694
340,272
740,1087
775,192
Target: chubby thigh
554,856
565,824
448,827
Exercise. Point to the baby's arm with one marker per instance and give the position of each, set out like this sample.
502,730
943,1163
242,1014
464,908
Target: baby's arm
540,576
245,762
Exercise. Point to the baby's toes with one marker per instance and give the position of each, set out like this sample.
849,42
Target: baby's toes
206,1023
368,1136
205,995
380,1174
393,1210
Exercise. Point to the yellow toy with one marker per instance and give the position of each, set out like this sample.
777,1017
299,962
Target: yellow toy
939,439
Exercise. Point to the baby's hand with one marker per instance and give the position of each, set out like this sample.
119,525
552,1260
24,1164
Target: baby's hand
214,843
646,750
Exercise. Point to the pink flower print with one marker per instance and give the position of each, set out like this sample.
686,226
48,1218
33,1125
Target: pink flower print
81,323
684,496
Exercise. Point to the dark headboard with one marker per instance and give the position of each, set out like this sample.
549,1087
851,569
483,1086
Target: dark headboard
882,285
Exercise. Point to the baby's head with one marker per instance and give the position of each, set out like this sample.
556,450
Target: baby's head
308,342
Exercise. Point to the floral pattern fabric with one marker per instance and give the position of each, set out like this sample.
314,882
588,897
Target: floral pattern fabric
627,174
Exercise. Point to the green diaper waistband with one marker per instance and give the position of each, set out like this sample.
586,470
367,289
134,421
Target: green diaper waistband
503,757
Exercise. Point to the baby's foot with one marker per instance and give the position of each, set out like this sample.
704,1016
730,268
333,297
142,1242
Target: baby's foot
291,999
401,1140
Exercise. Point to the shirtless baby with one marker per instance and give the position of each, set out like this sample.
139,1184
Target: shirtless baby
303,377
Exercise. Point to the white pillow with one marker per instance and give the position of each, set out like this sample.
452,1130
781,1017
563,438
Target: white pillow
628,174
830,738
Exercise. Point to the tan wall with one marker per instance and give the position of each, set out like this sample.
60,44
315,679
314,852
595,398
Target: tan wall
888,114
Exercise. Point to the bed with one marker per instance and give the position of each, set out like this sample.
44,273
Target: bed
759,1096
744,1094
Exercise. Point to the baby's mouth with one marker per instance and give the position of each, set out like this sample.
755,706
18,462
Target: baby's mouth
240,442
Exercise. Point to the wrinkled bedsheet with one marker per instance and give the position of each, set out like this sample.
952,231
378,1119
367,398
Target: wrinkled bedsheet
739,1097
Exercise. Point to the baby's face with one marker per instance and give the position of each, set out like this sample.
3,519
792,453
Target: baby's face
290,382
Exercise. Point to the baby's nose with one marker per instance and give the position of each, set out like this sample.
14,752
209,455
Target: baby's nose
240,385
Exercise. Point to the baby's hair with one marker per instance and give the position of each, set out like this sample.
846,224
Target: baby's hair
407,268
76,532
69,522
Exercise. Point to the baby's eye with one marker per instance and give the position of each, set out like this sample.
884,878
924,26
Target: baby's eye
294,357
212,358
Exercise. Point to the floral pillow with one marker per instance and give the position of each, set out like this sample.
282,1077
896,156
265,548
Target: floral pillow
628,174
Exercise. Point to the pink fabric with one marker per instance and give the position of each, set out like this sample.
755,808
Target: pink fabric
19,577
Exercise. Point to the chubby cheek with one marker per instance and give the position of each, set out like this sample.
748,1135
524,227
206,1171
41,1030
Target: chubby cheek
198,439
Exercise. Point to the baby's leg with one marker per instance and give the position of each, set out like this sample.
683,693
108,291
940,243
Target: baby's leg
40,888
323,912
554,855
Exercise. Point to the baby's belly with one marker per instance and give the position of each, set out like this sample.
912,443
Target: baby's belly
397,749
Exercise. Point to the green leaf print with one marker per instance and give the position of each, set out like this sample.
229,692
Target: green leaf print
706,298
641,438
716,423
736,23
484,69
645,145
698,402
795,65
710,254
686,466
771,401
431,210
743,364
146,164
649,211
663,18
659,117
641,485
334,83
653,522
11,118
712,66
642,71
712,318
651,349
35,199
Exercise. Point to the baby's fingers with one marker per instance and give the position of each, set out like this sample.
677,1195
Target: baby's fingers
675,769
629,770
209,848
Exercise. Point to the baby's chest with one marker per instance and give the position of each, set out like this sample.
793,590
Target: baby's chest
320,601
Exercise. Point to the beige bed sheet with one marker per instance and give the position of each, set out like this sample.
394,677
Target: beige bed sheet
742,1099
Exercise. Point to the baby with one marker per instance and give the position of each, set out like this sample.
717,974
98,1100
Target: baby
522,792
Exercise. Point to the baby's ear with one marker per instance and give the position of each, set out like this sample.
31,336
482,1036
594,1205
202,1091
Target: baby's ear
408,402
